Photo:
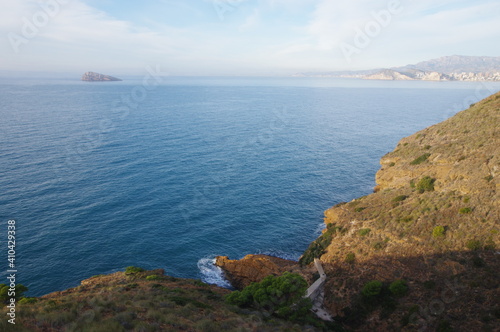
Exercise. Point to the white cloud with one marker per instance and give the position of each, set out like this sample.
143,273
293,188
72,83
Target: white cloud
251,21
296,34
429,28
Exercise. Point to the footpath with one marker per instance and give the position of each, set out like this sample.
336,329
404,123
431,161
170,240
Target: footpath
316,292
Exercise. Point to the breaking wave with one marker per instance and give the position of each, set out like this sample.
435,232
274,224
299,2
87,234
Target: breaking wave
212,274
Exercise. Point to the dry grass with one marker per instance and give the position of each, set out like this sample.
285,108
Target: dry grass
131,302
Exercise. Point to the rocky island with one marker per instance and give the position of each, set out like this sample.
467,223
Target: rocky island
96,77
418,254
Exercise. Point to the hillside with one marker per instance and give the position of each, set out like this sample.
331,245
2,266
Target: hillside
457,63
140,301
433,222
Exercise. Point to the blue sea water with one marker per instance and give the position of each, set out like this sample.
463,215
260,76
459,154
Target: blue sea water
100,176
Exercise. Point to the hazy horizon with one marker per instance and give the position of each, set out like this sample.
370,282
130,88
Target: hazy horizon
238,37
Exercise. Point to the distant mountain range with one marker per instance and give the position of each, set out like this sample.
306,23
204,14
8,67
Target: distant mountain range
448,68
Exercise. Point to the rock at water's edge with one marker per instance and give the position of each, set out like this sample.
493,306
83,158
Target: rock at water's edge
254,268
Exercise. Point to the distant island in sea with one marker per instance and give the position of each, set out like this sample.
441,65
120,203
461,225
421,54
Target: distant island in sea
90,76
448,68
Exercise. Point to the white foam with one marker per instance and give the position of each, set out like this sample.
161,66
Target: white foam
212,274
280,254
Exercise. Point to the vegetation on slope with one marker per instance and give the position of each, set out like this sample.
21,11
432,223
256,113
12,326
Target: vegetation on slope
138,300
433,221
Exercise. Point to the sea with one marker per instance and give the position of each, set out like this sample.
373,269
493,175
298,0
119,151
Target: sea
171,172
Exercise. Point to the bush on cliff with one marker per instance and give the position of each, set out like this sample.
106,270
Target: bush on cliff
426,184
372,288
318,246
398,288
5,297
281,296
420,159
133,270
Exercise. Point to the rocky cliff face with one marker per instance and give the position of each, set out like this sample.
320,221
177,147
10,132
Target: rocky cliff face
254,268
388,75
433,221
96,77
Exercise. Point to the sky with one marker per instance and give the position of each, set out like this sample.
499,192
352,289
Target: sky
240,37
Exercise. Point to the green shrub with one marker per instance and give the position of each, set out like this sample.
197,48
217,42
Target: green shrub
372,288
420,159
438,231
398,288
133,269
359,209
379,245
364,231
465,210
429,284
400,198
478,261
28,300
474,244
405,219
20,289
318,246
350,258
281,296
444,326
153,277
489,178
425,184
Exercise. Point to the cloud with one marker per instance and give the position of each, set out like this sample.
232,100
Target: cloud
86,36
251,21
189,37
428,28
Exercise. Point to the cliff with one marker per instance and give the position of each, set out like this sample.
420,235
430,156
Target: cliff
433,222
388,74
96,77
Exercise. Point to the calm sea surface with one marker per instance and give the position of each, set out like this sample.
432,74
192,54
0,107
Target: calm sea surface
100,176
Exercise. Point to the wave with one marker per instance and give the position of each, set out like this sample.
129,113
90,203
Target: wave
212,274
